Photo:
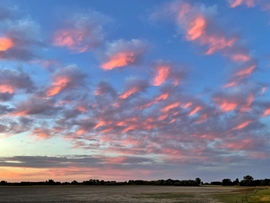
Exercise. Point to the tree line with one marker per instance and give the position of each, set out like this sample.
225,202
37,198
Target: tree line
247,181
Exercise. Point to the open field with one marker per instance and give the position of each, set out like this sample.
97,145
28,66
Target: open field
133,194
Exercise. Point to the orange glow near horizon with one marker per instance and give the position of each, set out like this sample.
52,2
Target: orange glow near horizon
162,74
196,28
119,60
5,43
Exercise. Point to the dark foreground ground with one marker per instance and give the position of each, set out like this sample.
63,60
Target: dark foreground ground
106,194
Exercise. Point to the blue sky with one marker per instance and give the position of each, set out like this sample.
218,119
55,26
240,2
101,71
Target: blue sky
134,89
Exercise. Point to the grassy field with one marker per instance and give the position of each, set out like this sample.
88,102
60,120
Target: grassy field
134,194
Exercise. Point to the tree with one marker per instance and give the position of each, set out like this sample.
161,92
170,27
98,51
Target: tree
198,180
247,181
236,182
227,182
248,178
3,182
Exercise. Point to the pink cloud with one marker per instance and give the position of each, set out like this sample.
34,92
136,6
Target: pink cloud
266,112
235,3
12,80
244,144
234,101
226,105
41,134
170,106
134,86
71,39
231,84
119,60
163,73
240,57
81,32
59,84
195,110
242,125
65,78
246,72
196,28
5,88
122,53
157,99
129,92
5,43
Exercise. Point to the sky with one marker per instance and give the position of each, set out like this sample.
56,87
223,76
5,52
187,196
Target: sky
128,89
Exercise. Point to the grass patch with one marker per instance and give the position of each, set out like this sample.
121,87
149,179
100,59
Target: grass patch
260,196
246,195
232,198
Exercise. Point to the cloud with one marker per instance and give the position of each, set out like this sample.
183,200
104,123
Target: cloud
35,106
41,133
234,101
248,3
266,112
5,43
8,12
69,77
168,71
12,80
21,36
161,76
246,70
122,53
134,85
105,88
81,32
199,24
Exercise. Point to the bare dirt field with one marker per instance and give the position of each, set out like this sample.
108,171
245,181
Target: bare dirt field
106,194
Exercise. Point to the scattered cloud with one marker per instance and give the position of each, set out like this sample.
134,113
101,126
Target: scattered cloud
12,80
65,78
122,53
81,32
